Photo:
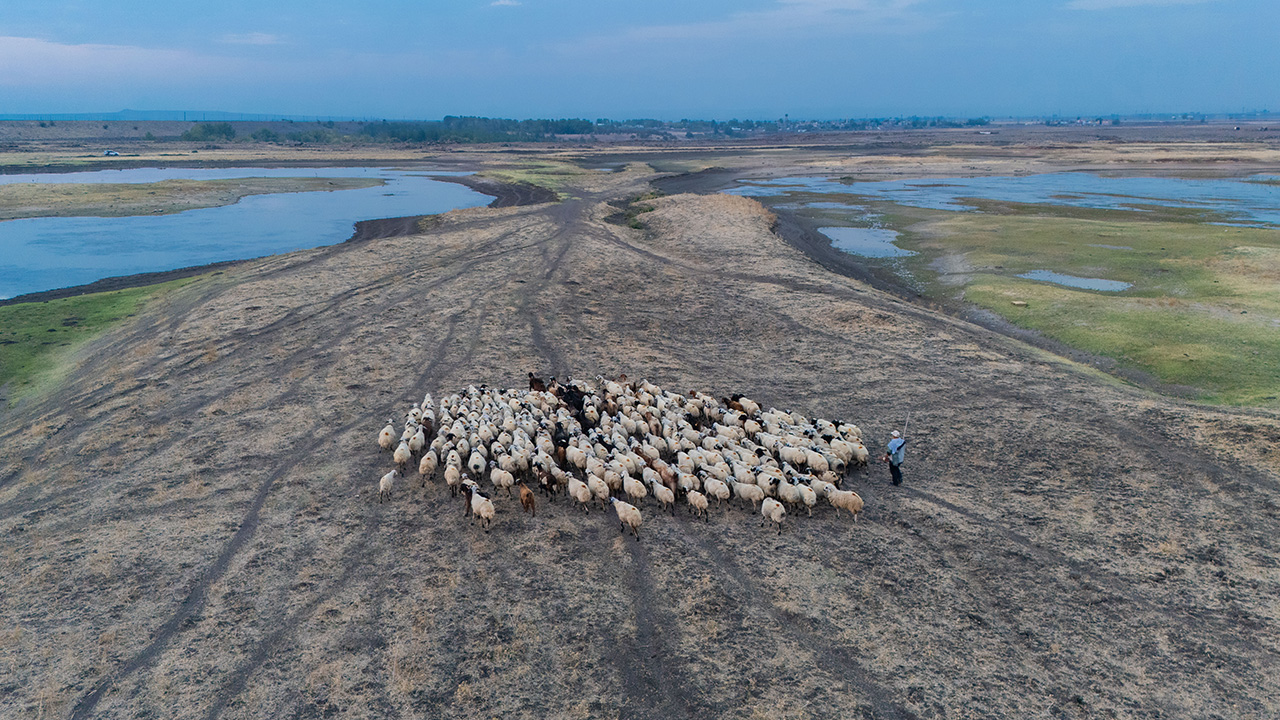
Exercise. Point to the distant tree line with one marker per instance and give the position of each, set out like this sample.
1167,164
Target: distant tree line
470,129
476,130
210,131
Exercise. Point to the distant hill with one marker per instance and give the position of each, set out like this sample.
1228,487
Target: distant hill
179,116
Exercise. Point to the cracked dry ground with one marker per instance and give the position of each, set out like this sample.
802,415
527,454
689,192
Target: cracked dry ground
190,528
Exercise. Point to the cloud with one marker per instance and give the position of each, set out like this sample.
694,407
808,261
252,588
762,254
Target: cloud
504,3
253,38
1112,4
32,61
808,17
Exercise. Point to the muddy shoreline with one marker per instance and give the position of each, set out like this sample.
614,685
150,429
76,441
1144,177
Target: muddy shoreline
504,195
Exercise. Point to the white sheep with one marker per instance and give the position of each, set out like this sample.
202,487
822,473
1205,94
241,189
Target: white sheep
788,493
860,454
599,489
475,463
717,489
501,479
634,488
846,500
402,454
387,437
384,485
452,478
773,510
749,492
427,466
664,496
817,461
698,502
822,487
613,476
851,432
579,491
808,496
628,516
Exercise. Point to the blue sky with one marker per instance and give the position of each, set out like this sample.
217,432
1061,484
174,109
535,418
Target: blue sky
660,58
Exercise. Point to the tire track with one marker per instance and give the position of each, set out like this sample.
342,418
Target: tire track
196,598
802,629
550,267
240,678
647,671
234,685
1220,623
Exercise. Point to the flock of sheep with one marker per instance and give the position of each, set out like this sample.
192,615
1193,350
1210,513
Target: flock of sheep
601,442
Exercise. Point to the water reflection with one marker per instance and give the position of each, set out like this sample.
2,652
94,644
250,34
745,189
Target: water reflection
45,253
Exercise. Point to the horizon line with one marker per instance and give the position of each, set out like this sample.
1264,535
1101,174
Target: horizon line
130,115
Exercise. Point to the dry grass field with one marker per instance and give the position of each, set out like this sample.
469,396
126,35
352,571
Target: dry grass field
190,528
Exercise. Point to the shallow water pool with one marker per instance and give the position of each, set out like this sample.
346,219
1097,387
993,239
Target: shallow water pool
1077,282
1239,201
47,253
867,242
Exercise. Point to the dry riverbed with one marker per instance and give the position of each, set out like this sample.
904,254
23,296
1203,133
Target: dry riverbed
190,528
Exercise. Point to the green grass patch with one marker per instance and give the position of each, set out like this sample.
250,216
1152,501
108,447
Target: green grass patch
638,207
1230,357
37,338
1160,259
557,177
1203,310
1139,209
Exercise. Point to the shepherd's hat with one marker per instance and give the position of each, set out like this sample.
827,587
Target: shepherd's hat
895,433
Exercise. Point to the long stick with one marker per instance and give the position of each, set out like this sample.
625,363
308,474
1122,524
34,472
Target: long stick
904,426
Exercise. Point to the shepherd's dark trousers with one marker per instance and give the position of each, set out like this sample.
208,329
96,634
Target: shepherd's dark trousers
896,472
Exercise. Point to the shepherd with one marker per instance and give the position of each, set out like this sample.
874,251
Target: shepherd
894,456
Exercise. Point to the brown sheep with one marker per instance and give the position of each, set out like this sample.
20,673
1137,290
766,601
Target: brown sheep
527,502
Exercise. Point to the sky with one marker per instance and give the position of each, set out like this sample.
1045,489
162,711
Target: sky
666,59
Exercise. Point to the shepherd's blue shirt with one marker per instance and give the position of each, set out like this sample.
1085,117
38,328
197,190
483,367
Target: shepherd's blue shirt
895,450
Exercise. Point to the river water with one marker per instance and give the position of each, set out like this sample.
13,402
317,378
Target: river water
1253,201
1248,201
47,253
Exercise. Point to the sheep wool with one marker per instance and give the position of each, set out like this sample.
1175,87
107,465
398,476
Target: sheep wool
772,510
628,516
578,491
624,439
846,500
427,467
384,485
402,454
698,502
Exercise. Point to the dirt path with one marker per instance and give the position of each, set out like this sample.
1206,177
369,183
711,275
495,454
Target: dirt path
191,528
